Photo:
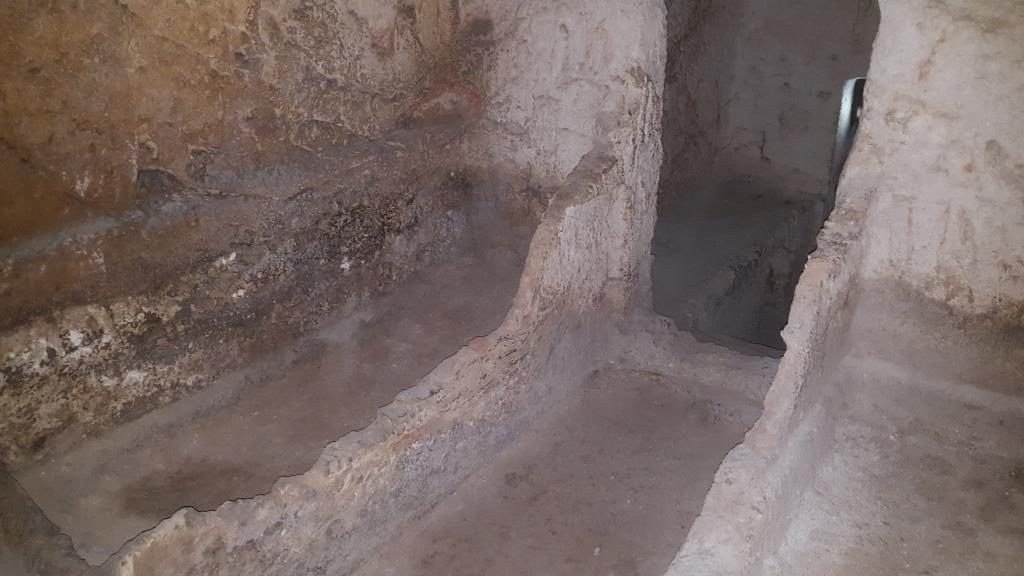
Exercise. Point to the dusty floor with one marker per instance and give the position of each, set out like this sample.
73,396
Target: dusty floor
728,253
609,483
237,438
927,475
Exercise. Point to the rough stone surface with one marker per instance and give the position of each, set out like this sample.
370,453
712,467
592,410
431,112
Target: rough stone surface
790,61
435,433
756,86
160,233
308,156
274,416
945,128
895,239
29,543
252,275
589,260
216,95
606,482
752,98
924,476
191,188
728,255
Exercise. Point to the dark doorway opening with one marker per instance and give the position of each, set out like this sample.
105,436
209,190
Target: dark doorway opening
752,98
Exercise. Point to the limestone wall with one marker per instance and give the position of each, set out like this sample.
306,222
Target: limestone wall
184,187
567,94
565,75
699,76
757,85
946,134
791,60
96,93
929,202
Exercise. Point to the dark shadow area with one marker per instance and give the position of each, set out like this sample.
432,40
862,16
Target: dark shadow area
752,99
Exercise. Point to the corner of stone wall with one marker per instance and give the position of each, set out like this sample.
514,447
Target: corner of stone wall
748,507
588,263
433,435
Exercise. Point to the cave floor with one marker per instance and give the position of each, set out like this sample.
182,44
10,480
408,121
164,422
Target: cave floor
237,437
927,473
919,483
607,483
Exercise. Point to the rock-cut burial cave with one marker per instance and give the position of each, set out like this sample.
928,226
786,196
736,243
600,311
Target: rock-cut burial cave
483,287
